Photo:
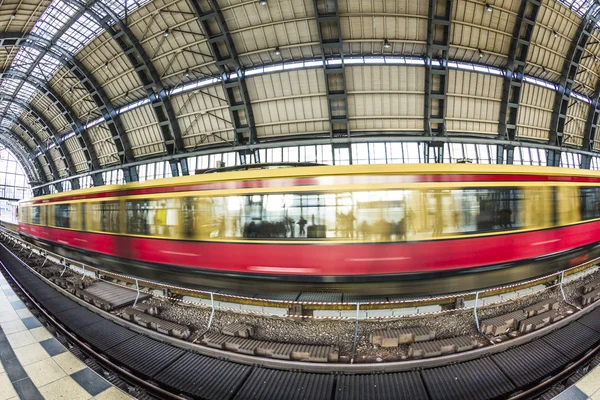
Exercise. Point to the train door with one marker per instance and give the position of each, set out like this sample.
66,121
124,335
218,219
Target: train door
568,205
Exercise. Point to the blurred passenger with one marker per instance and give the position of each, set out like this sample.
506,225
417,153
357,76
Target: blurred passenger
290,225
350,224
302,223
410,216
160,218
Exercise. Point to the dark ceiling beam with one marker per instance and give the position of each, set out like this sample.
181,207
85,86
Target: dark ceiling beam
143,66
20,149
591,127
330,39
61,146
87,79
80,133
223,50
567,79
50,162
513,80
439,24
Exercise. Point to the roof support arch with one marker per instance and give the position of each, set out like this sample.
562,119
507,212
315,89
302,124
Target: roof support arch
48,160
591,128
86,78
42,120
513,80
223,50
330,38
78,129
139,59
567,79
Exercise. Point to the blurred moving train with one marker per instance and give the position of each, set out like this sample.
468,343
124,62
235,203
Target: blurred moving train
409,228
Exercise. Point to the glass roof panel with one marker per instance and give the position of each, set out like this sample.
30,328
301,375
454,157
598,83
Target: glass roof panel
83,31
46,68
120,7
53,19
579,7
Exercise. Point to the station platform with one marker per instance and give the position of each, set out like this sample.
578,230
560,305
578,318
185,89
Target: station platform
586,388
34,365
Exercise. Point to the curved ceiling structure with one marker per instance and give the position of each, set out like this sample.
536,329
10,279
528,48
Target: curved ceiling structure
87,86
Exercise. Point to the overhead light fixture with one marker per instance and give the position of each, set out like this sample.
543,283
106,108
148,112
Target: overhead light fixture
480,53
555,33
12,17
596,59
277,52
386,44
187,72
166,33
489,7
263,3
105,65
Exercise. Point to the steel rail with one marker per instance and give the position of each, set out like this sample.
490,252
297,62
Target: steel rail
360,368
87,349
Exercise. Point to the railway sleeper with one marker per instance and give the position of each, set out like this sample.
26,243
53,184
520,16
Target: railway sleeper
502,324
395,337
97,301
541,307
590,286
590,297
160,325
146,308
435,348
238,330
539,321
280,351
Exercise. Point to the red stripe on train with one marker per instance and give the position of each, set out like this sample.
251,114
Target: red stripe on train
329,258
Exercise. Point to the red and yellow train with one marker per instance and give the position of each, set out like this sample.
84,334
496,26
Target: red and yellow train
415,228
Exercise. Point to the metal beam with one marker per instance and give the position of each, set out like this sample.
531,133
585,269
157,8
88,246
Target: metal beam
515,72
330,39
439,23
143,66
52,133
86,78
65,111
567,79
223,51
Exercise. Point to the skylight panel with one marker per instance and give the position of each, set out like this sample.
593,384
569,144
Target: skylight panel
79,34
120,7
53,19
579,7
46,68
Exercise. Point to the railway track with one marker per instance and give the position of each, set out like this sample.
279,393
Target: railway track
172,368
320,304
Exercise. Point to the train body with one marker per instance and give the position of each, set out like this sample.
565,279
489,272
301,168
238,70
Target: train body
331,226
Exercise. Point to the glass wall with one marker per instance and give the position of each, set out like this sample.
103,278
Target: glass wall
360,154
14,184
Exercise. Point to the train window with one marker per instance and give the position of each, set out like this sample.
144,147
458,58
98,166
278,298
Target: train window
136,213
201,219
61,215
35,215
156,217
486,210
105,216
590,202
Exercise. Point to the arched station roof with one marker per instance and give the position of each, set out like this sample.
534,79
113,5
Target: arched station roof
86,86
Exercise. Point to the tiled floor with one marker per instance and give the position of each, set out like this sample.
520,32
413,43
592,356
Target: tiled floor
34,365
587,388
